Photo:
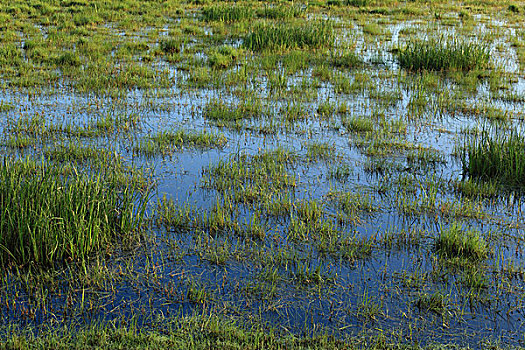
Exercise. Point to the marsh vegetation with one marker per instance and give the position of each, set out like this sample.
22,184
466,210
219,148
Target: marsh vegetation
321,174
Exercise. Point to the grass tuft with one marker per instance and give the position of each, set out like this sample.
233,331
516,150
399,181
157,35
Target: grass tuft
499,158
435,302
455,242
171,46
444,55
47,217
227,13
281,12
69,59
290,36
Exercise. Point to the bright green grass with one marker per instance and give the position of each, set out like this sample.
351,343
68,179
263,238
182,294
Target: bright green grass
320,151
456,242
201,332
499,158
346,59
223,57
259,179
281,12
444,55
171,45
436,302
358,124
310,35
47,217
473,188
76,152
227,13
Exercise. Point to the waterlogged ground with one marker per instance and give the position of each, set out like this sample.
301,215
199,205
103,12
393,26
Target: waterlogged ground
303,189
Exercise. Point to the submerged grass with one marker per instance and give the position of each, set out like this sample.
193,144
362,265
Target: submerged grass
257,179
444,54
166,141
47,217
221,111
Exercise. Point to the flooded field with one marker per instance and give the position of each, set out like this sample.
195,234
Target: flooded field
323,174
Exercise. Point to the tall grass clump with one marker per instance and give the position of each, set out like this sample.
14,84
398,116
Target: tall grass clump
498,158
290,36
455,242
227,13
47,216
281,12
444,54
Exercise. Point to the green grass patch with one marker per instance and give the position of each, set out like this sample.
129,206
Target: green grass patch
6,106
310,35
68,59
358,124
47,216
474,188
456,242
281,12
207,331
346,59
499,158
320,151
436,302
354,3
444,54
10,54
218,110
260,179
227,13
223,57
76,152
171,45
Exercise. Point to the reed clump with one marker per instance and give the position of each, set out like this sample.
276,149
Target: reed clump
310,35
500,158
48,215
281,12
444,54
227,13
